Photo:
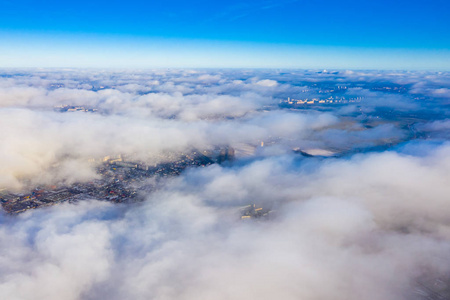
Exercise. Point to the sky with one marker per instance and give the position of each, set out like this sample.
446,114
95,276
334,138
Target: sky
276,34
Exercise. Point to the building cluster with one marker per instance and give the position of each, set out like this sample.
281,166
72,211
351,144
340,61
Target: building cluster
120,180
315,101
73,108
390,89
337,89
54,86
254,212
39,197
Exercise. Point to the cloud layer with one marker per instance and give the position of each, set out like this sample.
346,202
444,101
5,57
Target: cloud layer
369,227
370,222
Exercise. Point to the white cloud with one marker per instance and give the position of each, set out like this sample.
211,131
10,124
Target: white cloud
267,83
355,226
365,226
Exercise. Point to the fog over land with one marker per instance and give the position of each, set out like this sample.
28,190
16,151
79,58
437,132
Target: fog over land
352,168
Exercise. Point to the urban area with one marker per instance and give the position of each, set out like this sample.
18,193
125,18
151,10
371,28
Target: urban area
121,180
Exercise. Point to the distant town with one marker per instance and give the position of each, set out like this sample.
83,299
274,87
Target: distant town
122,180
73,108
312,101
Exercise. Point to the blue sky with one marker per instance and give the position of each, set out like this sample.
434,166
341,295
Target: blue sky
297,34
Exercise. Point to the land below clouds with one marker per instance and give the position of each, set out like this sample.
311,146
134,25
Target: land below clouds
357,191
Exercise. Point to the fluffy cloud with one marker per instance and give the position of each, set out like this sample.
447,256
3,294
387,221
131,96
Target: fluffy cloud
267,83
35,141
372,225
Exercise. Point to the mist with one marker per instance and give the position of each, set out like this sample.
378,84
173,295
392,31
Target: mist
356,191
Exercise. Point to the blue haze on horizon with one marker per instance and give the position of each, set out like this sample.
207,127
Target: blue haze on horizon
291,33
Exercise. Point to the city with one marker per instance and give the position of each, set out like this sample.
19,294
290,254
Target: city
225,150
122,181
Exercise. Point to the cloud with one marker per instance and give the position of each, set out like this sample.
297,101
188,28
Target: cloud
267,82
354,224
369,221
42,139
